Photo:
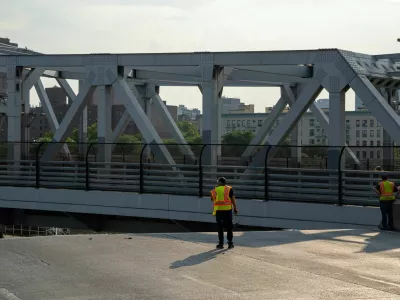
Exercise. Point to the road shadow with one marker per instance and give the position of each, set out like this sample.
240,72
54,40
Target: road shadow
369,240
383,241
197,259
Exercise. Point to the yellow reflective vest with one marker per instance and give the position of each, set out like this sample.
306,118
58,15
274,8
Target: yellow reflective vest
386,190
220,196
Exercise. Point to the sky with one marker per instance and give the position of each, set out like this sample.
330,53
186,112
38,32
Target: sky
137,26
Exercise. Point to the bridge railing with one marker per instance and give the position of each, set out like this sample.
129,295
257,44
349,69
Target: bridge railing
136,173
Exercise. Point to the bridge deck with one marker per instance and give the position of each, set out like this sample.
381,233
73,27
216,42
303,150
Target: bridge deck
335,264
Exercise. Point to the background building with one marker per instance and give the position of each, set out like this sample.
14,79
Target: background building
362,129
234,106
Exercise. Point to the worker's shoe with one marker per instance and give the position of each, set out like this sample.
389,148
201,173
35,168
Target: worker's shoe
220,246
230,245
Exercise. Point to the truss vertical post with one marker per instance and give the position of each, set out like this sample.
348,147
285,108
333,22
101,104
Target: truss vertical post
14,78
337,131
83,126
388,151
147,104
295,150
26,122
104,111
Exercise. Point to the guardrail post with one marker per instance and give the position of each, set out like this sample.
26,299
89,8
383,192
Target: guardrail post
340,176
38,165
87,172
266,179
141,175
201,175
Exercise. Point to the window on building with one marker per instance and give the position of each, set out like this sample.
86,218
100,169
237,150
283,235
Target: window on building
323,141
318,129
248,123
378,154
243,123
260,123
364,123
358,133
364,143
312,133
347,133
357,143
238,123
378,143
357,123
228,123
378,124
371,133
378,133
371,123
364,133
371,154
254,121
348,123
364,154
358,154
371,143
318,141
312,122
311,142
347,142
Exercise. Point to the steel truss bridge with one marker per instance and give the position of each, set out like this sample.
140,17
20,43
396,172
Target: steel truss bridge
134,80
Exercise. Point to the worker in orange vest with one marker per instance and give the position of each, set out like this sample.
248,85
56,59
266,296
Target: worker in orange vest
385,190
224,200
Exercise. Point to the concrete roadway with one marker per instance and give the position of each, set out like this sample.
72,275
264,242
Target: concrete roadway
335,264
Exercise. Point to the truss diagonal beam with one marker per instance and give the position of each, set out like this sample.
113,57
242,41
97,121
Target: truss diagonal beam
262,132
322,118
67,88
65,127
173,128
377,105
142,122
307,96
50,115
120,128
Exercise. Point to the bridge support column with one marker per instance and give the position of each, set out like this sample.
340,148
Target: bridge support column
295,150
104,131
14,87
336,133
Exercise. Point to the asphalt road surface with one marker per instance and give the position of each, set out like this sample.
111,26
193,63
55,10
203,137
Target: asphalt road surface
342,264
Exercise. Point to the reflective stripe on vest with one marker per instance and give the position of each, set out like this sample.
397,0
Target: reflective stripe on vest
386,190
221,198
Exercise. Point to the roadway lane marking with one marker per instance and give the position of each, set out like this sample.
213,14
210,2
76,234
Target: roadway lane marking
381,281
6,295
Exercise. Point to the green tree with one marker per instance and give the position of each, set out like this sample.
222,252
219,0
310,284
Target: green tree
188,129
91,134
235,142
128,144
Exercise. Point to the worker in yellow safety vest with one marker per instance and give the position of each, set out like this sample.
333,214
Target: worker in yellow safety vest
224,200
385,190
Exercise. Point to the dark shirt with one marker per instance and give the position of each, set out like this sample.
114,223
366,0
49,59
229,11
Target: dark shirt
378,188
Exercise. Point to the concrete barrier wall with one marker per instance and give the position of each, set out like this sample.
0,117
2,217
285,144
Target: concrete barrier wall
295,215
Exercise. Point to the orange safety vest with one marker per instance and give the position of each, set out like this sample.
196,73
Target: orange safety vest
220,196
386,190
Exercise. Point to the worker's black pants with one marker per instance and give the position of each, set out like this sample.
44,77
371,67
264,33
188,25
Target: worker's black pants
387,214
224,220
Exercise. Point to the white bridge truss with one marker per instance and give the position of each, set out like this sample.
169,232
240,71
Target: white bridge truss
136,78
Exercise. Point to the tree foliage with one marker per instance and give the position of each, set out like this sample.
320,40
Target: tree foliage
234,143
